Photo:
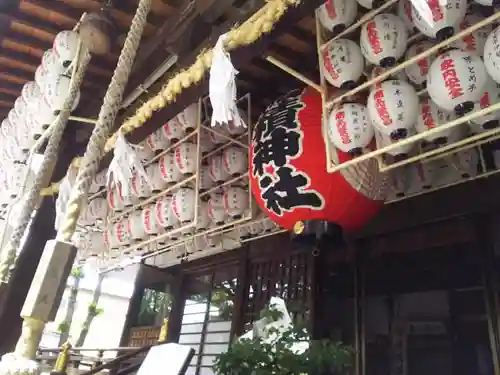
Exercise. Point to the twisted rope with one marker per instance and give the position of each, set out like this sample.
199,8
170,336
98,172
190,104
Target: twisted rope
8,256
105,121
249,32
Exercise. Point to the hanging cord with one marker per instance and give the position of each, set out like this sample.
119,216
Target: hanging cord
8,256
105,122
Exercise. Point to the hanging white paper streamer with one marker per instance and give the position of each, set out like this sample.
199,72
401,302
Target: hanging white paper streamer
222,87
125,162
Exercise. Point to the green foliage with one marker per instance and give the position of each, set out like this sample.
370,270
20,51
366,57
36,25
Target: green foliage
275,353
63,327
77,273
94,310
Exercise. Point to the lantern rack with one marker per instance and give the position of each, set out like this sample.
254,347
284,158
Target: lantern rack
163,242
445,151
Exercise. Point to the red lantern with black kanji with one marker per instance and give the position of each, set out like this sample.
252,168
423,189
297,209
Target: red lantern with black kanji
289,175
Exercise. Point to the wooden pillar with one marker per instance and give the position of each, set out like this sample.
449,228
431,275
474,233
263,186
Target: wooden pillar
177,311
13,296
484,241
132,312
241,296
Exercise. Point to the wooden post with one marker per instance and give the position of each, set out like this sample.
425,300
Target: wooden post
177,311
241,296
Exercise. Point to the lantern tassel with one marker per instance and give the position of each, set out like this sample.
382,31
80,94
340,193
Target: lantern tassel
222,87
125,162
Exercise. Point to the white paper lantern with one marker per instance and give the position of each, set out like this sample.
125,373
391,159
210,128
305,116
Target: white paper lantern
139,187
446,16
236,201
6,127
136,228
149,221
336,15
165,215
486,3
188,118
172,130
349,128
236,130
475,41
65,47
417,73
400,180
144,152
370,4
398,153
206,143
216,136
51,64
57,91
465,162
405,12
186,158
45,115
457,80
431,116
31,94
342,63
157,141
121,233
155,177
217,171
384,39
35,128
114,202
202,220
183,204
206,182
216,210
20,107
424,174
168,169
492,54
97,208
490,121
393,108
234,161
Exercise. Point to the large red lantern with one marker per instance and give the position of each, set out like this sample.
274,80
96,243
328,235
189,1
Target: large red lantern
288,170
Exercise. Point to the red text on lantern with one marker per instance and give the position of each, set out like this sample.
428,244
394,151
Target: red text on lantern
327,61
373,38
437,13
451,81
427,116
382,108
330,9
342,128
484,102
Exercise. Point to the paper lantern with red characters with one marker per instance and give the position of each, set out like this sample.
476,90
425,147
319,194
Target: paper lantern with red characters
289,175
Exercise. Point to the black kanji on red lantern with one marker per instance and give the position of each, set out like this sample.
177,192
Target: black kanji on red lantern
288,191
277,139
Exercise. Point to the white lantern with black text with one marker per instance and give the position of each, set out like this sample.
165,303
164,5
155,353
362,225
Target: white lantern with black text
202,220
217,171
140,188
490,121
393,108
51,64
417,72
136,228
186,158
205,179
188,118
342,63
235,200
65,47
492,54
173,130
336,15
31,94
44,114
431,116
457,80
384,39
168,169
475,41
57,91
446,16
183,204
349,128
165,215
234,161
216,210
149,220
219,135
157,141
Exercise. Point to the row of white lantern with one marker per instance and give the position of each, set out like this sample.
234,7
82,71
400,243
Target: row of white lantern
174,167
173,212
421,176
